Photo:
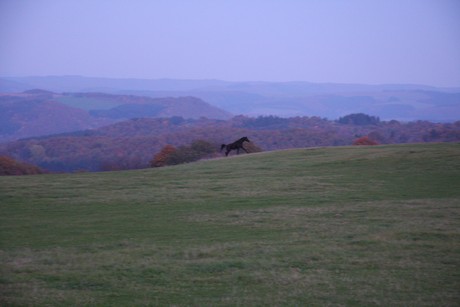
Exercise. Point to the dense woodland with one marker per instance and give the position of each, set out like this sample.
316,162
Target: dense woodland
134,143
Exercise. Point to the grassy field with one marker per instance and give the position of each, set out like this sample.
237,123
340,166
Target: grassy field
361,226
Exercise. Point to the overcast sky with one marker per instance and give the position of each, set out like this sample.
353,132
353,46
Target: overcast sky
346,41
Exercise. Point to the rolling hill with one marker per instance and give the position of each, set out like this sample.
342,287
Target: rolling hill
401,102
325,226
38,112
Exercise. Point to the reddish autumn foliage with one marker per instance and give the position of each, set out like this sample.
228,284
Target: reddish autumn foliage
170,155
161,158
365,140
132,144
10,166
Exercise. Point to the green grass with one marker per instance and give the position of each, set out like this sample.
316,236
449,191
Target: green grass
363,226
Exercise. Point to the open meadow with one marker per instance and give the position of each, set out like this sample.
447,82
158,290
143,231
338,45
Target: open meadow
362,225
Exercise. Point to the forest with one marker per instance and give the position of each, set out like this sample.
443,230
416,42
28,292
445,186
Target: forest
134,143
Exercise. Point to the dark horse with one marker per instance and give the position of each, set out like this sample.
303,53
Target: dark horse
235,145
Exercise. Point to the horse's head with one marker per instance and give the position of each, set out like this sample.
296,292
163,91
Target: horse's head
245,139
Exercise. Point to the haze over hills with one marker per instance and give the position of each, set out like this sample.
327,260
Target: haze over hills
285,99
38,112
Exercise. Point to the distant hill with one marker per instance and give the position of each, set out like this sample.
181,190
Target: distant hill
404,102
135,106
392,103
40,112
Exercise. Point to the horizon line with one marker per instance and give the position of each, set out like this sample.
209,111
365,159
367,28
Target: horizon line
229,81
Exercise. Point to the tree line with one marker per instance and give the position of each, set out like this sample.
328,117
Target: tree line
133,144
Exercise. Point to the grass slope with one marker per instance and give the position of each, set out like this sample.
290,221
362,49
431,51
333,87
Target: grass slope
327,226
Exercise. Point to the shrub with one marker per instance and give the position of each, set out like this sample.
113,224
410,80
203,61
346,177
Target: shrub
9,166
170,155
365,140
161,158
251,147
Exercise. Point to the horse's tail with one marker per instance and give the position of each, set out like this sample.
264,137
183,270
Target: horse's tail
222,146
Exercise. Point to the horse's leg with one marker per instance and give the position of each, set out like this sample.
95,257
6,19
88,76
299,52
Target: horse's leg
244,149
227,152
237,150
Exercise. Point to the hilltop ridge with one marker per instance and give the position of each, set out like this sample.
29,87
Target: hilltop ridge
404,102
40,112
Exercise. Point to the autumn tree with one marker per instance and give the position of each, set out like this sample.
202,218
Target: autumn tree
161,158
251,147
197,150
365,140
9,166
133,143
170,155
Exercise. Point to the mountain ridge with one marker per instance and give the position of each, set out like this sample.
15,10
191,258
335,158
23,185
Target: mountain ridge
404,102
79,83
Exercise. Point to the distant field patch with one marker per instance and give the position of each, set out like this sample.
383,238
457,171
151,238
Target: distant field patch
89,103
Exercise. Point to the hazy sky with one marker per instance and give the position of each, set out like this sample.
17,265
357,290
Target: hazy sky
347,41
